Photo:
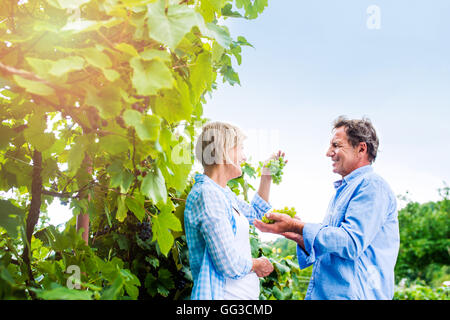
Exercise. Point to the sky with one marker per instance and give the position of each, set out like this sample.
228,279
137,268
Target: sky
313,61
316,60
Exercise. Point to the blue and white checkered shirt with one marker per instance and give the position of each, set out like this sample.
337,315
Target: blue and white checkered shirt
210,231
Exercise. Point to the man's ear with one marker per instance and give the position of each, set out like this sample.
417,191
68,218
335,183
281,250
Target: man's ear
362,147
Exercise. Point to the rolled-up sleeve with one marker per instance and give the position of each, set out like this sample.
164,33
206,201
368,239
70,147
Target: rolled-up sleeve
216,229
302,258
363,219
310,231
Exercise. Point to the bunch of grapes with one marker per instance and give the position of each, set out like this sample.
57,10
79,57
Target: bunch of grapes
290,212
105,230
276,169
145,230
121,122
145,165
138,107
180,281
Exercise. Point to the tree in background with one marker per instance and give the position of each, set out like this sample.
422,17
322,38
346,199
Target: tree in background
100,102
425,241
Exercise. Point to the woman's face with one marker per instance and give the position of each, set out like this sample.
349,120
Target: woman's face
236,156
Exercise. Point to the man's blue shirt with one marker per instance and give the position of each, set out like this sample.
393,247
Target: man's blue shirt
355,248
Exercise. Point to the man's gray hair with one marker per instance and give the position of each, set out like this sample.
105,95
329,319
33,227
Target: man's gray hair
360,130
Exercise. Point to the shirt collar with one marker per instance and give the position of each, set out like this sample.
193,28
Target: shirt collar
202,178
353,175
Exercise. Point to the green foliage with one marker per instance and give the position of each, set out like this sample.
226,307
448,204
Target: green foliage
109,93
422,292
53,253
287,281
424,240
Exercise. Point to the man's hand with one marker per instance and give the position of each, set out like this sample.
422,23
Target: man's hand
283,223
294,237
262,267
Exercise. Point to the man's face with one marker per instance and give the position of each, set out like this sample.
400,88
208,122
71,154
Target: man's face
344,156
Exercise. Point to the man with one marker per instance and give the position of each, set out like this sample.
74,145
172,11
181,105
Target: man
355,248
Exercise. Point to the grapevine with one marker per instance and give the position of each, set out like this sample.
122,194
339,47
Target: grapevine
92,105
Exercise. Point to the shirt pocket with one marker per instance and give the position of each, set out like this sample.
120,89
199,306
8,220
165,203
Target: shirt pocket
338,214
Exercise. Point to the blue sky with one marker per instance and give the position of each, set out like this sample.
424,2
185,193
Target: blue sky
316,60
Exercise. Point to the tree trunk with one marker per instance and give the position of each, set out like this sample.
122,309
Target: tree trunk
33,214
83,218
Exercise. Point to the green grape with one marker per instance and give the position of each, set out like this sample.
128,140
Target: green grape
290,212
276,169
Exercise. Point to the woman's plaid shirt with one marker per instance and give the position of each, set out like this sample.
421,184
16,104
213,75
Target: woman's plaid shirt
210,230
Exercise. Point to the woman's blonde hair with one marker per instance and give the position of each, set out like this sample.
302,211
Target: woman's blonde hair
215,141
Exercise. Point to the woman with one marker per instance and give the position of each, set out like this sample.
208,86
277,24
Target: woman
217,222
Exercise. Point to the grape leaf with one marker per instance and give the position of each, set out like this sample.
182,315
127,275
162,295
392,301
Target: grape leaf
146,126
170,28
35,87
161,224
96,58
77,153
121,208
63,293
113,144
131,283
201,75
154,187
151,54
220,34
120,176
150,76
63,66
6,134
127,48
112,292
111,74
35,134
107,101
135,207
11,217
174,105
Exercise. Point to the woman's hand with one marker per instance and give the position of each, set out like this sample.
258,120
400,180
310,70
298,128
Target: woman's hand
266,177
262,267
265,170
